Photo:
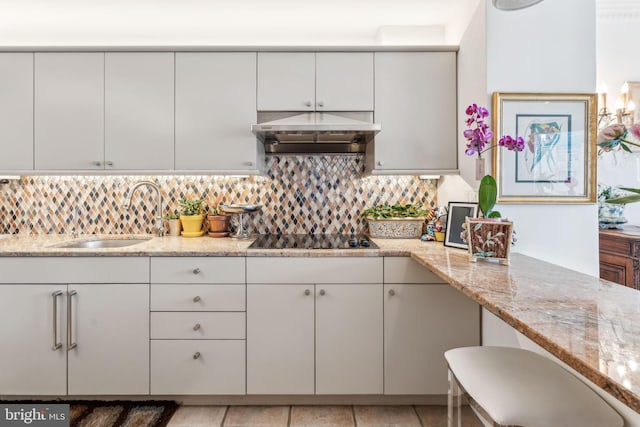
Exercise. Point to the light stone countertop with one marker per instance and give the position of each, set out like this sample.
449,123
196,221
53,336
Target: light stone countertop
590,324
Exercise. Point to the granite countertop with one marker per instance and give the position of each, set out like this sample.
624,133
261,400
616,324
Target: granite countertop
590,324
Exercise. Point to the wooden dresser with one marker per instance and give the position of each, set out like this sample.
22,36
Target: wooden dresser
620,256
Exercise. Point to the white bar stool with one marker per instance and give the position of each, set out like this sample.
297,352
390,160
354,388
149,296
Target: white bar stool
515,387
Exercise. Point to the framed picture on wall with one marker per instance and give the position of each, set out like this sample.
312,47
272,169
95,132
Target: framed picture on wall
456,218
558,163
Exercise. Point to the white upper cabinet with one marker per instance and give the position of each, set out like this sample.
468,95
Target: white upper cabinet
307,81
16,111
139,114
415,103
69,111
286,81
344,81
215,107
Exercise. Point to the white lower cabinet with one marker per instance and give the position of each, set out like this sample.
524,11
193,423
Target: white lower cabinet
197,367
280,339
110,327
423,318
29,363
306,338
349,339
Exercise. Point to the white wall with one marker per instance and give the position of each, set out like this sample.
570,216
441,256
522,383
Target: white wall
617,35
540,50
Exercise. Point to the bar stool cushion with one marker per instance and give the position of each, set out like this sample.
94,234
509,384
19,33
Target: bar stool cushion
523,388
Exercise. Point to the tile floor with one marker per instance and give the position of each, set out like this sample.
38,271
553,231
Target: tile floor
315,416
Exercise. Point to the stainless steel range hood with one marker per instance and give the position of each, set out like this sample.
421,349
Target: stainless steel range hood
315,132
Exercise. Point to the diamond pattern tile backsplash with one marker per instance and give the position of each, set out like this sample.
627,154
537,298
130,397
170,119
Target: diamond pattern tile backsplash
300,194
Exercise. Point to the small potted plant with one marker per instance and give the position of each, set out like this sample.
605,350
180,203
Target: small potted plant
396,221
218,222
192,217
174,223
489,237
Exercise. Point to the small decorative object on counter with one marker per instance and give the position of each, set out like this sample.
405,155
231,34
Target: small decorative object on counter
192,217
490,237
396,221
240,209
610,215
174,224
218,222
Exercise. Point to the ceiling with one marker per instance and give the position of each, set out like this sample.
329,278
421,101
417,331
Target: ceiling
232,22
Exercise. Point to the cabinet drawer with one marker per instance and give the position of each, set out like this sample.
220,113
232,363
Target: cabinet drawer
407,270
314,270
197,297
198,367
74,270
197,326
197,270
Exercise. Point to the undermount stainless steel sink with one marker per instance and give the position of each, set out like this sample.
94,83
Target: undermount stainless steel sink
103,243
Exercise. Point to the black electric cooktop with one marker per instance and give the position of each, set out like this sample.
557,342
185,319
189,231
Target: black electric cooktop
312,241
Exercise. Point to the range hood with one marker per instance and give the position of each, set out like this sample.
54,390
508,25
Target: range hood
315,132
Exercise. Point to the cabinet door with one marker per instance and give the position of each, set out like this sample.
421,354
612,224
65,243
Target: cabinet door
69,111
344,81
349,339
139,110
215,105
280,339
286,81
421,322
16,111
110,324
30,363
415,102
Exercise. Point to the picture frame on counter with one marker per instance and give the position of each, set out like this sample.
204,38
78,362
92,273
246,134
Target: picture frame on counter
558,163
456,218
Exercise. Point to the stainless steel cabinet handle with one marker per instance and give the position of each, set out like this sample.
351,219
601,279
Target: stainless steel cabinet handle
380,162
308,104
56,345
97,163
70,344
307,292
196,271
196,299
196,355
196,327
322,292
108,163
320,104
392,292
249,163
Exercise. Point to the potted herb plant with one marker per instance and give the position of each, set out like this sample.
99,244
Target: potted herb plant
396,221
174,224
192,217
218,222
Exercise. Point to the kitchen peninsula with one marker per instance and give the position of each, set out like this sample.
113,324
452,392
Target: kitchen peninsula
588,323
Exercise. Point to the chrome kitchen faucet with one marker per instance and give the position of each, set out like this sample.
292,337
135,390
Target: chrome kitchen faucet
157,222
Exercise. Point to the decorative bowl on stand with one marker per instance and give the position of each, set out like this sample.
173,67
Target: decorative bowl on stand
240,210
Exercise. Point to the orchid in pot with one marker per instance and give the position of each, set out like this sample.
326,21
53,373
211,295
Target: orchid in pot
489,237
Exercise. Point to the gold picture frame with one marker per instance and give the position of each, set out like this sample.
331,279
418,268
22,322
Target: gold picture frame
558,163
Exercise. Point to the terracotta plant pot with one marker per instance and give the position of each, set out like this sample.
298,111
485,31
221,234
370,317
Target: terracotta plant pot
219,223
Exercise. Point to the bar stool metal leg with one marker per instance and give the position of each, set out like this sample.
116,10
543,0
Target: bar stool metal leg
454,404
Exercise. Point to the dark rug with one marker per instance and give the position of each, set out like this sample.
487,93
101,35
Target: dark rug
121,413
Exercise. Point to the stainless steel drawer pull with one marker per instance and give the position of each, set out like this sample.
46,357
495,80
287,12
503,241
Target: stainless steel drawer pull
196,299
196,271
322,292
196,355
97,164
196,327
56,345
70,344
307,292
108,163
308,103
392,292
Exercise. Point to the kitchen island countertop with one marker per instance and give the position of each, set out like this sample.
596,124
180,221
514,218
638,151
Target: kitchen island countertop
590,324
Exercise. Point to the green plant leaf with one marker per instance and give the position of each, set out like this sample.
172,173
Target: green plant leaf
494,214
487,193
